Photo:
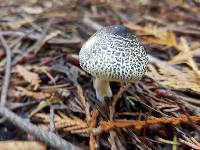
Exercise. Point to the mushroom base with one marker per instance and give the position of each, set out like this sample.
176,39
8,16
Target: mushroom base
102,88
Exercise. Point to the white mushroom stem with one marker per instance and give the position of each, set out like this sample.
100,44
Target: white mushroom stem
102,88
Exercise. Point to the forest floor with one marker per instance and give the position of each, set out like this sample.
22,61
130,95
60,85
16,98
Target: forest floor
43,84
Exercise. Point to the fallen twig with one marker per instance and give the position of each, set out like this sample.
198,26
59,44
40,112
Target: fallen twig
37,36
49,138
7,71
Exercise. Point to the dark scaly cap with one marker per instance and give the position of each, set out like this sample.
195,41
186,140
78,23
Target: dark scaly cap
114,53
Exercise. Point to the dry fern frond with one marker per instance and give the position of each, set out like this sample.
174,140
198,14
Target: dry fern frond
186,56
72,125
92,125
44,104
29,76
162,36
36,95
172,77
45,118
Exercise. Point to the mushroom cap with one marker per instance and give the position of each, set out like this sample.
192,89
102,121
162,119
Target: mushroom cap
114,53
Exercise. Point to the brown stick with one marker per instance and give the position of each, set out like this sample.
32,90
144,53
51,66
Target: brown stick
106,126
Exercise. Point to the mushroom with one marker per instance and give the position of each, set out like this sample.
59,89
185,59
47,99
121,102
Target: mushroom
113,54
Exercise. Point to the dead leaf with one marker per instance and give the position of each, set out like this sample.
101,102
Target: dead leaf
18,23
73,125
44,104
161,36
19,145
185,56
45,70
35,10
